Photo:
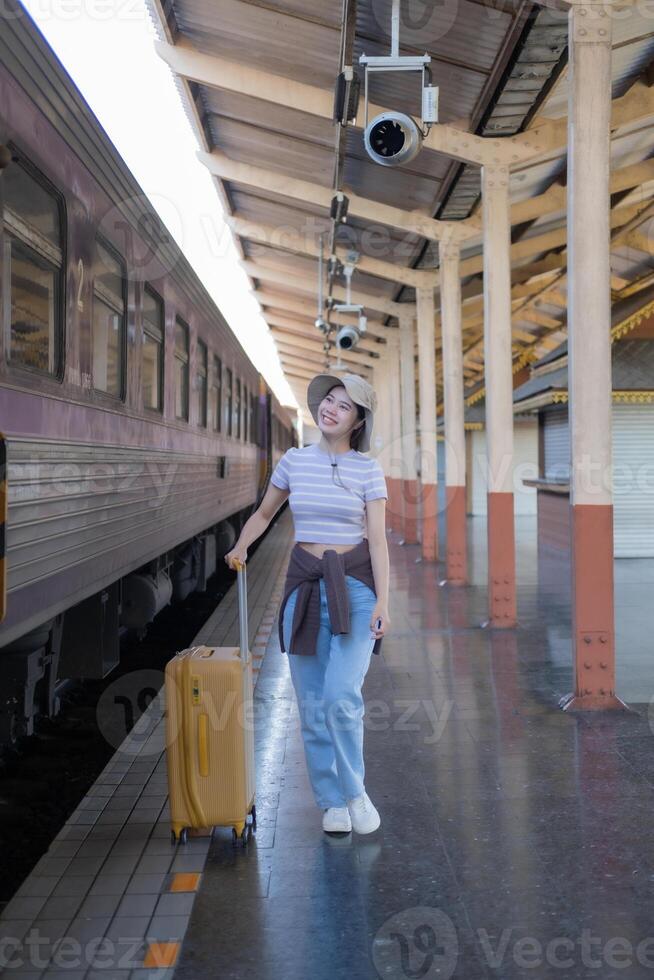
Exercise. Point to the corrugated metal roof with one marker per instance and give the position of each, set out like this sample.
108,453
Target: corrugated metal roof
303,45
496,67
454,31
264,115
632,369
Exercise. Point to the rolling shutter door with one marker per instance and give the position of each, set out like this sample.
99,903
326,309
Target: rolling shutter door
556,439
525,461
525,455
633,482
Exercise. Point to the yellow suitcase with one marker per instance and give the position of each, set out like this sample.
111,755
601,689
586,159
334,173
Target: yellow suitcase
210,735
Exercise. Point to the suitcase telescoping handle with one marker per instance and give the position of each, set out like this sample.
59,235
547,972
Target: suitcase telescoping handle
241,579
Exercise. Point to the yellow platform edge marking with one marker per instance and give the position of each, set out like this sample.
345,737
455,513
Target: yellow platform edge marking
161,954
185,881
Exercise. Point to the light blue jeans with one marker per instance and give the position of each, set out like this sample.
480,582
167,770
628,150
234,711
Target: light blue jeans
328,690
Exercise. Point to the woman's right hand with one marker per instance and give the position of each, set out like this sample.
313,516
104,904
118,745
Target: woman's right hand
239,553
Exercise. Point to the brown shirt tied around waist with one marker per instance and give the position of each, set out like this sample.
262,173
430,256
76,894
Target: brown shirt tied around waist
305,570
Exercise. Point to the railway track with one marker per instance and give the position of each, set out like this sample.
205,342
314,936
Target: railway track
44,778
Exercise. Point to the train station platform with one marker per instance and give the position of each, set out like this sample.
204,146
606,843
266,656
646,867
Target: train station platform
514,841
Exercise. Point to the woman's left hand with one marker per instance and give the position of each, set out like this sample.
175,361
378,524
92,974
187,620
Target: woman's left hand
379,612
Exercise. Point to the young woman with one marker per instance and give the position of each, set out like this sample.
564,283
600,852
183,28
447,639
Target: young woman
334,612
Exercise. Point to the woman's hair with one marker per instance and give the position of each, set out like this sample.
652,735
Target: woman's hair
355,434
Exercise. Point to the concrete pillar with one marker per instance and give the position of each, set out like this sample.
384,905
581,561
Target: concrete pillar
380,426
409,491
394,411
589,323
499,396
427,389
455,446
383,425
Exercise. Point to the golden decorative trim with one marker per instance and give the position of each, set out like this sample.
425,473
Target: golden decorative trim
631,322
473,426
475,397
550,367
626,397
528,356
633,397
540,400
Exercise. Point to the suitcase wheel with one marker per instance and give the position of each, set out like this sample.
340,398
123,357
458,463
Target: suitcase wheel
241,832
183,836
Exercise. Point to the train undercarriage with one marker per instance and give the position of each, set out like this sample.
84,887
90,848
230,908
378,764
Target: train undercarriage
83,642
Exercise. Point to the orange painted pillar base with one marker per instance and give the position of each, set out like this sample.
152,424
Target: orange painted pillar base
429,521
501,561
410,511
593,627
455,525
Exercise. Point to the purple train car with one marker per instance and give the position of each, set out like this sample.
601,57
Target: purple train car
138,435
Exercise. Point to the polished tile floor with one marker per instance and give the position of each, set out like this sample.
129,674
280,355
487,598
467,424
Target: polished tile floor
515,838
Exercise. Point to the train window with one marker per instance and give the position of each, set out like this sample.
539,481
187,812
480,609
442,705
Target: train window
253,418
245,412
153,349
201,382
109,319
217,394
181,369
33,268
230,399
237,408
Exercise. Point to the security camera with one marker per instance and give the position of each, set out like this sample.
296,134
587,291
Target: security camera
393,138
347,337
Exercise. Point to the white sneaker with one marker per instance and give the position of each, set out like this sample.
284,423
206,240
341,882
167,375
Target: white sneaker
364,814
336,820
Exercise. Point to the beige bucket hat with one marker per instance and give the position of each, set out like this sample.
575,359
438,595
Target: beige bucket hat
360,391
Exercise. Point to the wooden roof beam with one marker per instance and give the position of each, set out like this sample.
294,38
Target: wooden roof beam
317,366
548,240
270,273
308,192
317,354
555,197
540,319
373,336
292,241
373,340
295,305
216,72
307,329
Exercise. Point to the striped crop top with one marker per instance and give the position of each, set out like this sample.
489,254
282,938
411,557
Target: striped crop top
324,511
